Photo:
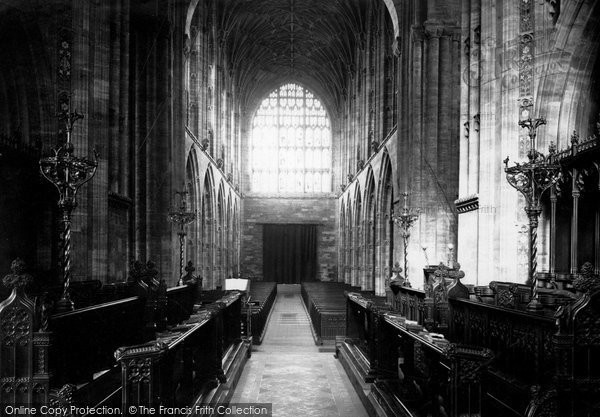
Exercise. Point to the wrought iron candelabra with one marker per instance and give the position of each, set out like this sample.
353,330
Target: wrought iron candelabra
182,217
68,173
405,221
532,179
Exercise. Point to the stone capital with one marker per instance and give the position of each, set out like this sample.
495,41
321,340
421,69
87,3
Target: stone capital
435,29
417,33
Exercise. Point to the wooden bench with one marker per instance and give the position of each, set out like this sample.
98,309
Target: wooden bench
326,306
264,293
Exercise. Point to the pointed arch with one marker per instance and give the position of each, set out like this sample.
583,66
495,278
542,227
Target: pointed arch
220,236
562,94
229,241
343,242
394,7
236,239
192,186
369,232
385,242
208,236
348,253
357,242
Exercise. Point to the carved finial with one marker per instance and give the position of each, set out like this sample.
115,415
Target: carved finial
205,143
136,271
552,148
190,267
18,278
151,271
586,281
574,138
442,270
189,277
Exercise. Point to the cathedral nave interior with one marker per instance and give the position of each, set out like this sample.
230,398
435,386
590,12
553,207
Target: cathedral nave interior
350,207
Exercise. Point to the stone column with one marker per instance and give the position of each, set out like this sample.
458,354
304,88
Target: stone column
575,194
553,201
597,241
468,231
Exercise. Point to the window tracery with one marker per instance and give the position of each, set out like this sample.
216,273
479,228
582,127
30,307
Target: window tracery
291,143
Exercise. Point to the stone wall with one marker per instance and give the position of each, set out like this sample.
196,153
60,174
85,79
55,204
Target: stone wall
258,211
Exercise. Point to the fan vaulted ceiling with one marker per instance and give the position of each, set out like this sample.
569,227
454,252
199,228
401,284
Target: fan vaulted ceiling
312,42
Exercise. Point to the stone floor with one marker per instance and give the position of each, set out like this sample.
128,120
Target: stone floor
288,370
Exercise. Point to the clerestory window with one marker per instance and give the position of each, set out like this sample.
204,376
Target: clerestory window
291,143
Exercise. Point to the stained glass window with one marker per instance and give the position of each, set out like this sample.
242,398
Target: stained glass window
291,143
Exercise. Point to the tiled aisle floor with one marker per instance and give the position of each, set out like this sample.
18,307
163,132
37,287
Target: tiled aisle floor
289,371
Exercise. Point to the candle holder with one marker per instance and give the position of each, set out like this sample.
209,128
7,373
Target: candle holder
182,217
532,179
405,221
68,173
450,255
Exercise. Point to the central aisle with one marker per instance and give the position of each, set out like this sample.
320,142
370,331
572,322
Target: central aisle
289,371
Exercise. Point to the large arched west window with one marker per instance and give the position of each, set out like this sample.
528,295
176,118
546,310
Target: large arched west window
291,143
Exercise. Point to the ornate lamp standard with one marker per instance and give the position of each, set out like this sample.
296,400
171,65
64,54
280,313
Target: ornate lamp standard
182,217
67,172
532,179
405,220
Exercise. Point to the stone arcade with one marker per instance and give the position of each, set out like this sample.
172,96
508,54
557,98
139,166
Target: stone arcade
410,187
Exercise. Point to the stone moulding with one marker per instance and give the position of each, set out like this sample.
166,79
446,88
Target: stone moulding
467,204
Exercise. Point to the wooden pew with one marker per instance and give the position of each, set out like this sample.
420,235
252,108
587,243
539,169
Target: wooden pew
326,306
198,362
264,293
79,353
325,303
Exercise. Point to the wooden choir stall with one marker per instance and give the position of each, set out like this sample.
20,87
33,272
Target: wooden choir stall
152,346
448,351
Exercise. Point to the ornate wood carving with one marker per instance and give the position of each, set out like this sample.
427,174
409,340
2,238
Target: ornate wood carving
22,340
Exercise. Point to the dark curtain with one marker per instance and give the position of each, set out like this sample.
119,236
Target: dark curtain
289,253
